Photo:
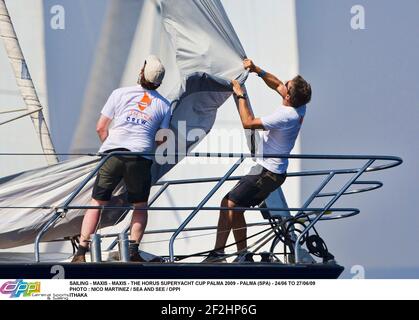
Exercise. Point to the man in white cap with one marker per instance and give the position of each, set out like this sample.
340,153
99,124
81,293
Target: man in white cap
137,113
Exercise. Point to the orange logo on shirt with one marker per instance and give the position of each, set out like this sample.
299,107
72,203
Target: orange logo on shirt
145,102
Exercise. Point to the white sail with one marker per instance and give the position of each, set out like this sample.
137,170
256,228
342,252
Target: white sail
188,36
25,83
203,52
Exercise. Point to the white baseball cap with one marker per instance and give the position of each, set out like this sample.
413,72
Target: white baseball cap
154,70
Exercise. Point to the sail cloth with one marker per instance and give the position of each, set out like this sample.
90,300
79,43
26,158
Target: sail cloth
202,53
25,83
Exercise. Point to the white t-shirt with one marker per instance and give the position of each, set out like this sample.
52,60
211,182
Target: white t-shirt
282,128
137,115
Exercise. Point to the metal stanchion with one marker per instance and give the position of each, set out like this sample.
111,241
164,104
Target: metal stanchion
95,248
123,247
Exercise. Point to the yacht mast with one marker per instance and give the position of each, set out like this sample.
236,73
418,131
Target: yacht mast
25,83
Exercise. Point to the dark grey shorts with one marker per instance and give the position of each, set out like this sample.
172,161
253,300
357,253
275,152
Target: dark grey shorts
134,170
254,188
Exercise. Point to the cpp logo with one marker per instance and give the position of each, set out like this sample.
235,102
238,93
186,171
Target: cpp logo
20,287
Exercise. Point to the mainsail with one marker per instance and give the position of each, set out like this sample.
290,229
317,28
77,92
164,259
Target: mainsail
202,53
25,83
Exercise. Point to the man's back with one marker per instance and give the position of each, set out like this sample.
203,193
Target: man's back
137,114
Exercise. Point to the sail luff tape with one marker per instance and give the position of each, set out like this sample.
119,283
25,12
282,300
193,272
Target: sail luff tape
25,83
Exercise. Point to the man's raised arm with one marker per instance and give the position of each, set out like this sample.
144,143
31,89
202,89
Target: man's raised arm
271,81
246,115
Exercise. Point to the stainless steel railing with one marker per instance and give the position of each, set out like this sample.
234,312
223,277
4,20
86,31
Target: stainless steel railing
319,213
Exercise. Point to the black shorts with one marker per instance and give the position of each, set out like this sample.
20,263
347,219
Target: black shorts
254,188
134,170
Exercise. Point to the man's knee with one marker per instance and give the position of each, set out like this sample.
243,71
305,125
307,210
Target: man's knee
227,203
224,202
140,207
97,202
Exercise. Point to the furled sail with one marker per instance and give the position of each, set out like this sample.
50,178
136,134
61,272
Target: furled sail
201,52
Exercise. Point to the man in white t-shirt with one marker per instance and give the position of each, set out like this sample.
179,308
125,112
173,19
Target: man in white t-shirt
281,129
137,113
